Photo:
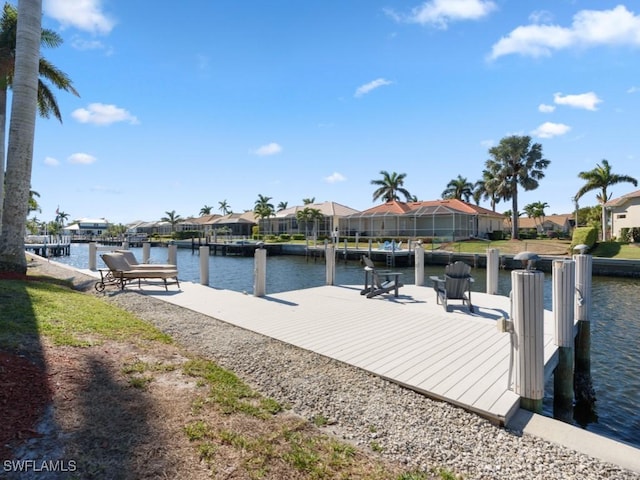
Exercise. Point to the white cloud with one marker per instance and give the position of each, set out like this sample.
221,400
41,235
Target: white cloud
82,159
633,89
84,15
268,149
487,143
50,161
101,114
546,108
439,13
335,177
588,101
368,87
589,28
550,130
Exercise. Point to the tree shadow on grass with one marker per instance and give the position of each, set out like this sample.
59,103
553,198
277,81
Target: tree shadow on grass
113,435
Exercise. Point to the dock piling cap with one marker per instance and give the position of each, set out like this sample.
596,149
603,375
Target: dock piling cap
581,248
528,259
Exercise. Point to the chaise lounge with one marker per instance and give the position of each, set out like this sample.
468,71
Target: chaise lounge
120,273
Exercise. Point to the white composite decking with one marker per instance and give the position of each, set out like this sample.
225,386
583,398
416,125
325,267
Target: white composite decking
457,357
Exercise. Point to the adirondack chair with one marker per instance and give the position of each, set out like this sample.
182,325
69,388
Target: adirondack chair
376,285
456,285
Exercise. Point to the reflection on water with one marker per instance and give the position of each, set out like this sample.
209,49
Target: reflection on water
615,326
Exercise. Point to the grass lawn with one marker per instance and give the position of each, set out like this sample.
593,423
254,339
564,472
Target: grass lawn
120,385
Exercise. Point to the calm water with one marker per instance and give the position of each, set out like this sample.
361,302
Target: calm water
615,330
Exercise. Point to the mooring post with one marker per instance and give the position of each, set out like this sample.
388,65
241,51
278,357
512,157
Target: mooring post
584,391
493,265
346,250
370,246
419,253
528,324
93,252
204,265
260,272
146,252
563,316
172,254
330,259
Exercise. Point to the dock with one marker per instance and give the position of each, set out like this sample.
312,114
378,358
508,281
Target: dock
457,357
49,245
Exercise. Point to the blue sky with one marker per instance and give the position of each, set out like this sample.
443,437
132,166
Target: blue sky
187,104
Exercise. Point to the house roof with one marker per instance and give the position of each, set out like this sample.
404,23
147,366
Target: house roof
527,222
246,217
431,207
328,209
621,200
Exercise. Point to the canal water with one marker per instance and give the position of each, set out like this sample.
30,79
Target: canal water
615,328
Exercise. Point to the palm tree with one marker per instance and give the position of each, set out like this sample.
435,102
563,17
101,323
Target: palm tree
206,210
308,215
172,218
61,217
389,186
46,101
262,208
282,206
33,205
600,178
516,162
483,189
224,207
21,135
458,188
308,201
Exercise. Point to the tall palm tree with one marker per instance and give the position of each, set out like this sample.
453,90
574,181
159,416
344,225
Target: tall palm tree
601,178
483,189
206,210
389,186
21,135
224,207
459,188
61,217
308,201
173,218
282,206
262,208
516,162
47,104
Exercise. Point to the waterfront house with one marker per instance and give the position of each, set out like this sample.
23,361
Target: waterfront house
286,220
87,228
446,219
624,213
549,225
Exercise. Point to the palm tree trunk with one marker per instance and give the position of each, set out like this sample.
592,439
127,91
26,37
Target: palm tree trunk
514,214
3,129
21,136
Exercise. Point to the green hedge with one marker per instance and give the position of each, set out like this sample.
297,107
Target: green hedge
584,235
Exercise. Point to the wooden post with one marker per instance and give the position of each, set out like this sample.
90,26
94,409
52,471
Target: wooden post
493,265
260,272
93,252
204,265
330,260
419,252
346,250
528,323
146,252
563,315
370,243
173,254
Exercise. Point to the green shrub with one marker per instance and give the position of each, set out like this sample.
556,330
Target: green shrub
186,234
496,235
625,235
584,235
284,237
297,236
